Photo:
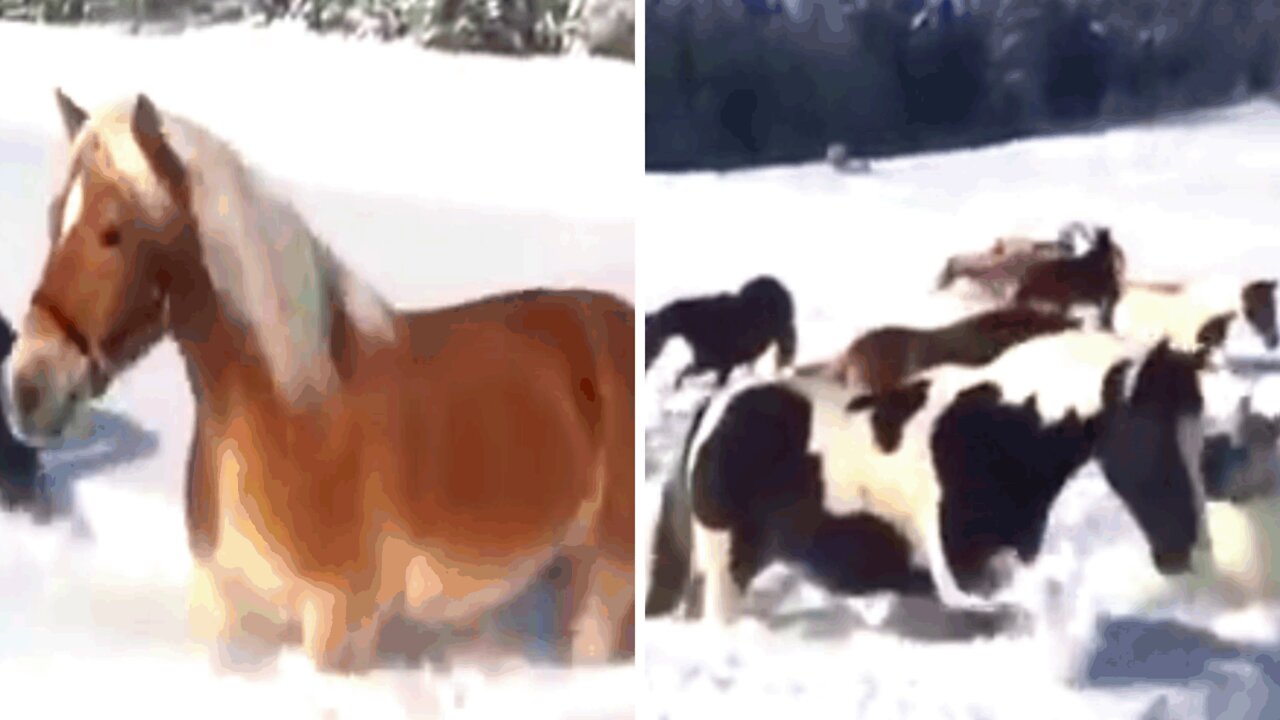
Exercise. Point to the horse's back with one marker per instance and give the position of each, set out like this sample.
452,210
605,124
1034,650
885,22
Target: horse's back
1064,371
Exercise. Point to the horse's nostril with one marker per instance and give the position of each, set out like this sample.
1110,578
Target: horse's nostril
27,395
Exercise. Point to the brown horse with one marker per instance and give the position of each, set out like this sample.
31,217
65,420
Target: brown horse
998,270
883,358
349,461
1094,278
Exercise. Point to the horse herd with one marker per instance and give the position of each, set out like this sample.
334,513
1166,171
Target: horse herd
350,462
926,461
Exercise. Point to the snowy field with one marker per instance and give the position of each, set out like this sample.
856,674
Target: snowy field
1185,197
436,177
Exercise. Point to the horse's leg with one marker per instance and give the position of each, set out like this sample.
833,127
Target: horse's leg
602,598
215,618
721,597
364,635
209,614
601,593
1106,313
944,580
340,628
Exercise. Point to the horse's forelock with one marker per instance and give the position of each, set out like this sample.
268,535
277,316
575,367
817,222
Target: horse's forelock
107,149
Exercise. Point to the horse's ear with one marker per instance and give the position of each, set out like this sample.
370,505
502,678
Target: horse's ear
146,120
148,132
73,116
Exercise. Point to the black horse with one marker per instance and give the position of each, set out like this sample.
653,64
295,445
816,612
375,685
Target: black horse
726,330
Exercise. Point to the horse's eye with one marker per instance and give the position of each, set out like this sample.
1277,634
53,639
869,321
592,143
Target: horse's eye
111,238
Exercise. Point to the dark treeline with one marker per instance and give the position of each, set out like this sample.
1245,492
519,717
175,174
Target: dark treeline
741,82
517,27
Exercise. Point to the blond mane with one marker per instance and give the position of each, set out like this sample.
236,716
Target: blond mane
268,269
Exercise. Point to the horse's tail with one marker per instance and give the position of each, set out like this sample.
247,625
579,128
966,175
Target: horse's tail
671,560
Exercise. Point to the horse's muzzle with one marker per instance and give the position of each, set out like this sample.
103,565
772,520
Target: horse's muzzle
43,399
1172,563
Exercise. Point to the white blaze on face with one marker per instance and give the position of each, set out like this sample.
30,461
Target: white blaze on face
73,207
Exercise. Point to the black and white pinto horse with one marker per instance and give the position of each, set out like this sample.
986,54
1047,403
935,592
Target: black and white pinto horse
726,330
938,487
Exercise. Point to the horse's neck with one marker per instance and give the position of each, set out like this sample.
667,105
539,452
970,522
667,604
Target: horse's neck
275,280
260,257
221,355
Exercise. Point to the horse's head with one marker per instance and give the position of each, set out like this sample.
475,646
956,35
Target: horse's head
770,302
1075,239
1150,443
102,299
768,297
1105,248
1259,300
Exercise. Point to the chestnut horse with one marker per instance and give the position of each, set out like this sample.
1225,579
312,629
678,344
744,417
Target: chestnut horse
998,270
349,461
1094,278
882,358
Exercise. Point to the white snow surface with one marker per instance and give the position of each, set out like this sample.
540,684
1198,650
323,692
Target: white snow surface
437,178
1186,198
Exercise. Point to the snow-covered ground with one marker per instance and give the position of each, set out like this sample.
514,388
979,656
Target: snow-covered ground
436,177
1185,198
